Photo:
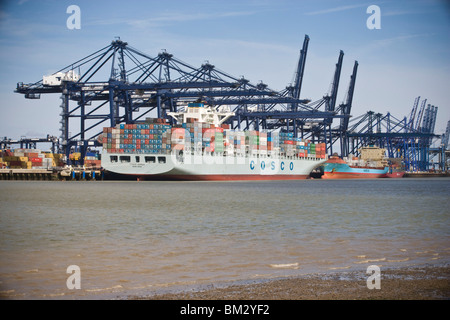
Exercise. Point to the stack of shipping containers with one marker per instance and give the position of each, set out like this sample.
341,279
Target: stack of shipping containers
157,136
153,137
30,159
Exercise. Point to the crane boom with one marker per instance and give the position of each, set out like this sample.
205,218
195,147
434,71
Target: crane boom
300,69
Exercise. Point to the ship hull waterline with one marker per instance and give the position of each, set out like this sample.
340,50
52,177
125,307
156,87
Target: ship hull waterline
354,175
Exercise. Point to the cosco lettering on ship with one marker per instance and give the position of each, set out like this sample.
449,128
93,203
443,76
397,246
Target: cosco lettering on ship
201,147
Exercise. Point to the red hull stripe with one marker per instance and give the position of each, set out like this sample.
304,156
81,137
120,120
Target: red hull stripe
349,175
395,175
224,177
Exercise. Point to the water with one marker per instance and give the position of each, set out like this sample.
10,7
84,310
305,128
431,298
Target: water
140,238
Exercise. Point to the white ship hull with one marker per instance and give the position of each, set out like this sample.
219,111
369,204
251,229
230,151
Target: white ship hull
209,167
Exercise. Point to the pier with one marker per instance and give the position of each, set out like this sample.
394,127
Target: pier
62,174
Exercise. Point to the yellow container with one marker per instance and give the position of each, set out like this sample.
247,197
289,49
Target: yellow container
75,156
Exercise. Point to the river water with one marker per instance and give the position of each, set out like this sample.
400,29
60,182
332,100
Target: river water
138,238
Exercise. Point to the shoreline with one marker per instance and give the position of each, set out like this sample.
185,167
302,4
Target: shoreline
427,282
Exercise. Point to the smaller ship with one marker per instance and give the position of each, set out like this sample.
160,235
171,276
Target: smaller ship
395,171
371,164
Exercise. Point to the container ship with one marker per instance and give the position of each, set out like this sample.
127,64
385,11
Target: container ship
371,164
201,147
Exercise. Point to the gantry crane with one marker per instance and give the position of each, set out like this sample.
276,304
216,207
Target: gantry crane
120,84
409,139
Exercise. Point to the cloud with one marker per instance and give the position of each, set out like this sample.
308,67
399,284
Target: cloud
389,41
336,9
173,17
382,47
398,13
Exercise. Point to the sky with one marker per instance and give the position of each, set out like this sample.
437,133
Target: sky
407,57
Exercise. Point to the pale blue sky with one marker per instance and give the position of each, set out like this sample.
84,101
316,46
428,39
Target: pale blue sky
261,40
